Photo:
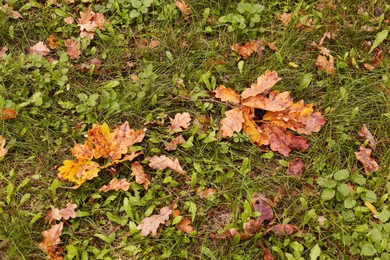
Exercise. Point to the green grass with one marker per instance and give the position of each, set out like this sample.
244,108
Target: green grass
50,121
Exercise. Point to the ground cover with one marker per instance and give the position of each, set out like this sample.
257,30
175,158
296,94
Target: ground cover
168,129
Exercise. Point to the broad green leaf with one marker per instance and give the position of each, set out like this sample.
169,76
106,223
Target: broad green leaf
111,85
315,252
207,252
117,219
384,215
105,238
380,37
341,175
349,203
327,194
368,250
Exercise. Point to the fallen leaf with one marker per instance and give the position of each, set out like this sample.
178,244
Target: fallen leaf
150,224
232,122
285,18
326,35
305,23
69,20
250,228
51,239
79,171
366,134
263,84
89,21
180,122
184,9
172,145
274,102
140,176
282,229
368,66
162,162
73,48
262,204
322,4
40,49
8,10
85,67
185,227
326,64
7,113
227,94
296,168
3,151
53,42
204,194
364,156
3,50
247,50
116,184
147,44
65,213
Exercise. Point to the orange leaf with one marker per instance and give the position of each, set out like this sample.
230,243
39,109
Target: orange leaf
180,122
7,113
162,162
296,168
275,102
140,176
73,48
40,49
89,21
185,227
247,50
325,64
285,18
184,9
263,84
51,239
227,94
53,41
79,171
172,145
232,122
251,129
150,224
282,229
3,50
364,156
366,134
3,151
116,184
58,214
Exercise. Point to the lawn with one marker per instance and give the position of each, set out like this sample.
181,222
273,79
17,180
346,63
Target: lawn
173,101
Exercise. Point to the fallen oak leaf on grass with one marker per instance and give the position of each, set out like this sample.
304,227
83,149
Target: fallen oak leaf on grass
183,7
150,224
162,162
364,156
140,176
180,122
40,49
51,239
172,145
65,213
73,48
366,134
116,184
296,168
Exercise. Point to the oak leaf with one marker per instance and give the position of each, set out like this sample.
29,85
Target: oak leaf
65,213
150,224
79,171
3,50
296,168
364,156
227,94
162,162
274,102
366,134
285,18
263,84
73,48
51,239
53,41
246,50
140,176
8,10
180,122
282,229
326,64
40,49
185,227
172,145
116,184
89,21
7,113
232,122
3,151
183,7
204,194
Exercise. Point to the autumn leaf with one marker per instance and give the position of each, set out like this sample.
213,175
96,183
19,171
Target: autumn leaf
73,48
282,229
180,122
366,134
89,21
326,64
305,23
232,122
150,224
274,102
246,50
69,20
227,94
79,171
364,156
95,62
116,184
3,151
204,194
296,168
3,50
140,176
147,44
183,7
40,49
162,162
65,213
262,204
263,84
172,145
7,113
53,42
51,239
285,18
8,10
185,227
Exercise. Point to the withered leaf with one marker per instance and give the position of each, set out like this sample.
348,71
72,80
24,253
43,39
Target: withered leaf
40,49
73,48
172,145
162,162
247,50
263,84
140,176
7,113
183,7
69,20
53,41
364,156
180,122
79,171
282,229
285,18
85,67
275,102
296,168
65,213
232,122
89,21
305,23
227,94
150,224
204,194
8,10
262,205
51,239
366,134
116,184
3,50
185,227
3,151
325,64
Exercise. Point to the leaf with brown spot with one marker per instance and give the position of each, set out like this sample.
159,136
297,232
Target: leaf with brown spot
232,122
140,176
262,205
204,194
7,113
162,162
180,122
150,224
183,7
227,94
51,239
116,184
172,145
73,48
40,49
274,102
247,50
285,18
296,168
366,134
364,156
263,84
3,151
3,50
53,42
282,229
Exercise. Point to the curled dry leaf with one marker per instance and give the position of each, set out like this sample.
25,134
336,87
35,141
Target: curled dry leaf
89,21
180,122
7,113
3,151
140,176
95,62
40,49
282,229
296,168
204,194
73,48
8,10
51,239
65,213
116,184
185,227
366,134
326,64
150,224
162,162
183,7
3,50
285,18
364,156
53,42
227,94
246,50
172,145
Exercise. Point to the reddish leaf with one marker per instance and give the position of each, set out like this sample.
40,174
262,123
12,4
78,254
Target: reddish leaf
183,7
7,113
364,156
262,205
232,122
85,67
275,102
116,184
51,239
366,134
172,145
73,48
296,168
263,84
227,94
150,224
89,21
247,50
40,49
285,18
180,122
282,229
140,176
3,151
185,227
3,50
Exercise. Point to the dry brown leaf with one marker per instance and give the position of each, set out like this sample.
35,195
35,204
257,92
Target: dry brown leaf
147,44
305,23
296,168
185,227
322,4
140,176
275,102
368,66
7,113
150,224
227,94
366,134
162,162
180,122
69,20
285,18
53,41
247,50
183,7
326,35
326,64
51,239
89,21
263,84
364,156
85,67
3,50
116,184
262,204
73,48
40,49
232,122
282,229
204,194
3,151
8,10
172,145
